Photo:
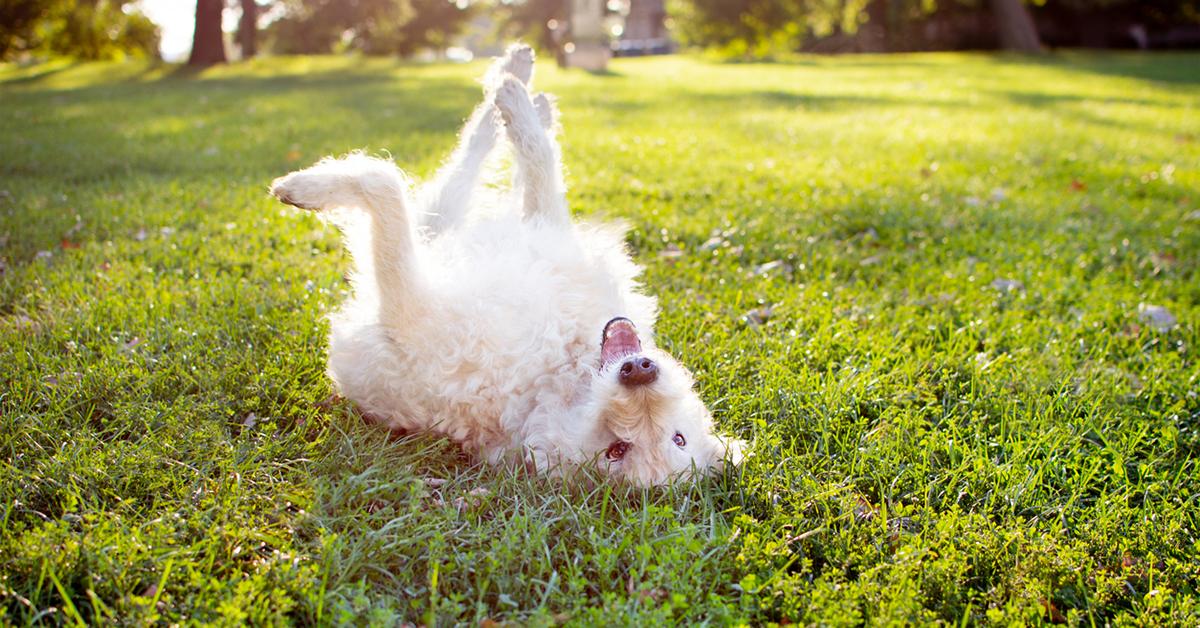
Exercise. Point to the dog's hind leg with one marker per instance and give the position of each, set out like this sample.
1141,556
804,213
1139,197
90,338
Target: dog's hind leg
384,252
539,170
445,199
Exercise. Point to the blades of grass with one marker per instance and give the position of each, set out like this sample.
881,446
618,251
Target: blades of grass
68,605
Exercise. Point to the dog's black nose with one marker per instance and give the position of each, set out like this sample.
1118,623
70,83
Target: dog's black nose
638,372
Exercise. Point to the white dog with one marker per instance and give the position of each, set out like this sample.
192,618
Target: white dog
522,336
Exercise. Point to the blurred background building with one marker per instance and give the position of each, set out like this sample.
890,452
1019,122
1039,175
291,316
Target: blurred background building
643,29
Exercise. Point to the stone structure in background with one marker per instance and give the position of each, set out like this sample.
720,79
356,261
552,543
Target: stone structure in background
587,43
645,29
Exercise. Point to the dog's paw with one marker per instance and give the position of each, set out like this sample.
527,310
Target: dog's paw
484,137
518,61
314,189
289,189
512,99
546,109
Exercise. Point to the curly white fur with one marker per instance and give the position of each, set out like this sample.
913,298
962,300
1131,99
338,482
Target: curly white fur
487,329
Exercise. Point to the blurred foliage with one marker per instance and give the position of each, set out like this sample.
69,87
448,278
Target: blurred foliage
759,28
1155,12
530,20
83,29
377,27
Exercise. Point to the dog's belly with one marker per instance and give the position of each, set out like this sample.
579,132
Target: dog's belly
474,392
510,335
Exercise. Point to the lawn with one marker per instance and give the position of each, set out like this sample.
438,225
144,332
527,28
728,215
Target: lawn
952,301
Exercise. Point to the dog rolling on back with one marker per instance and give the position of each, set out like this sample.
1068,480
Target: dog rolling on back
520,334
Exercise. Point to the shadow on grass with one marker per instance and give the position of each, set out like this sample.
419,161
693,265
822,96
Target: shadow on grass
1069,106
137,128
768,99
1182,68
38,76
824,102
811,60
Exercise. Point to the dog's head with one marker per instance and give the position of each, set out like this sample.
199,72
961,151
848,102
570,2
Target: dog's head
656,425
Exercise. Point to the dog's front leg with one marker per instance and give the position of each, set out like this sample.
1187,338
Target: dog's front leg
539,171
446,198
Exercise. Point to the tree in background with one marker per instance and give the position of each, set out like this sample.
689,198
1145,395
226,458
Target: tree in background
208,41
760,27
1009,23
535,21
763,27
430,24
380,27
84,29
18,19
1135,23
247,34
1015,26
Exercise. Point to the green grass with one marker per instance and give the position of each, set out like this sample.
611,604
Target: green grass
956,412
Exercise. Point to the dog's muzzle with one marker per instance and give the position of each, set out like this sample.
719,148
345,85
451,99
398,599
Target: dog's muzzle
638,371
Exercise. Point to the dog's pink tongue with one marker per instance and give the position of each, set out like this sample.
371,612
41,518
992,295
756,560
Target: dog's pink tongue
620,340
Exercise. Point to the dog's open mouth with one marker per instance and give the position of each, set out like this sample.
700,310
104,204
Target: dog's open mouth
619,339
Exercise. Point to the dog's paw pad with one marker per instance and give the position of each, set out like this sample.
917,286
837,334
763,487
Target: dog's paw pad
289,189
511,96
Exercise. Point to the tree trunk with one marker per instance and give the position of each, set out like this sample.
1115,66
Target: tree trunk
208,42
873,36
248,29
1017,31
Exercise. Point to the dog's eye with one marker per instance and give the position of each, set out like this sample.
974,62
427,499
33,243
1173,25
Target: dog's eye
617,450
679,439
